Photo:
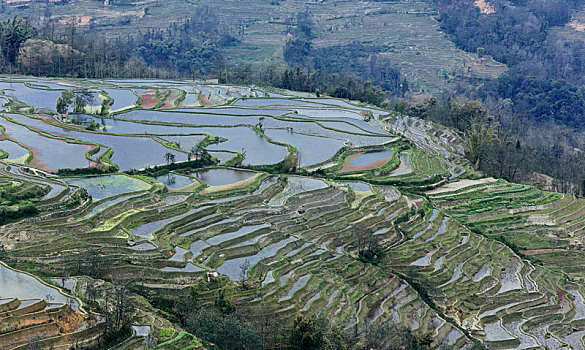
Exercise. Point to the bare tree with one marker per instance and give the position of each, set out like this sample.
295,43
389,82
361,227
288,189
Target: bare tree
34,343
91,293
196,151
169,158
368,246
244,268
118,306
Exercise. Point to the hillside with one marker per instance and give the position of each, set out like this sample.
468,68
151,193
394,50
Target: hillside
404,34
370,221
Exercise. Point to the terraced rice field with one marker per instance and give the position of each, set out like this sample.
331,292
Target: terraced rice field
366,161
137,117
302,256
406,33
299,246
543,226
465,261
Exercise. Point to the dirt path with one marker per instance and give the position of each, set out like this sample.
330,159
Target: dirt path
541,251
455,186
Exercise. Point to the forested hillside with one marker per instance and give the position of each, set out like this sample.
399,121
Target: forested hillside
547,71
538,104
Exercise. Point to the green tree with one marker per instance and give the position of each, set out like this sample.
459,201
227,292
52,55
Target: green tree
305,335
105,108
64,101
82,99
477,141
244,268
187,305
369,249
227,332
196,151
223,303
13,33
464,115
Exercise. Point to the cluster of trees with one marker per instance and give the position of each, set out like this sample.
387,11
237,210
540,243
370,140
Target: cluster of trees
342,85
546,79
193,48
450,113
187,48
13,33
364,61
355,59
79,98
311,333
489,147
297,46
368,246
505,146
16,212
538,105
202,160
16,203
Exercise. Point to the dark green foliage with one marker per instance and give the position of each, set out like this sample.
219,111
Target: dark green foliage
544,88
79,98
164,303
12,213
373,252
298,44
113,338
82,98
187,48
369,249
341,85
105,107
559,99
545,82
64,101
223,304
13,33
449,113
86,171
191,46
402,218
17,202
366,62
305,335
226,331
184,306
156,171
235,161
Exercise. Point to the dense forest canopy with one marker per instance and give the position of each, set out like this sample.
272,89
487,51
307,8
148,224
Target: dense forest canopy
546,72
539,101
